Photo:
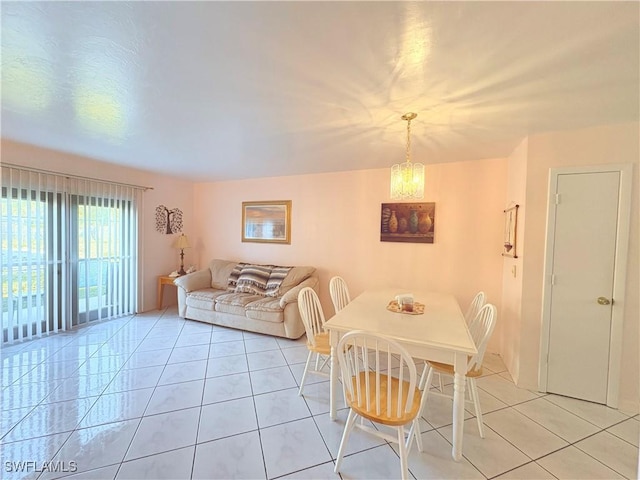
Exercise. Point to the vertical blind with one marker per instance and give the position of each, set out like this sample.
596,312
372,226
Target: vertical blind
69,251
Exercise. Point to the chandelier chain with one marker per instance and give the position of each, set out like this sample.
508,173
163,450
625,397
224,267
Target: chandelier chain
409,140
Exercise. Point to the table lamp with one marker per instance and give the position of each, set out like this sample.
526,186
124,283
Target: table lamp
181,242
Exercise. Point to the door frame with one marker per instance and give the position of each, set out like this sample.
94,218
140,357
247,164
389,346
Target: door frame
619,280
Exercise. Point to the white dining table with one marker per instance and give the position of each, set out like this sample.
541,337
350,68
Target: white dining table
439,334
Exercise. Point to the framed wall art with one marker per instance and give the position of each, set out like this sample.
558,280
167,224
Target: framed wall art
407,222
266,222
510,229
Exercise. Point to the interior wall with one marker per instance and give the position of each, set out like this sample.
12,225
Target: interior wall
593,146
336,228
158,255
512,267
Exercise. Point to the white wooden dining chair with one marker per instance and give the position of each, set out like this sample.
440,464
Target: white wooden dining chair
474,307
317,339
366,361
472,310
339,293
481,329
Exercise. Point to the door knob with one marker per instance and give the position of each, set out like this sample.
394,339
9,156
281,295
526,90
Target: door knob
604,301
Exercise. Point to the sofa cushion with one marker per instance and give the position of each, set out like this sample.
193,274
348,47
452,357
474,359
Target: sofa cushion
253,279
295,277
220,272
204,299
266,309
234,302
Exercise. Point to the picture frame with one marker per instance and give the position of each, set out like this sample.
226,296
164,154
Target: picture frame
510,232
407,222
267,222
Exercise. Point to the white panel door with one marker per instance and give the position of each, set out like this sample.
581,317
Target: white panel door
583,268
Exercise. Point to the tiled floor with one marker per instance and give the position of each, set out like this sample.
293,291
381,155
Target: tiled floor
154,396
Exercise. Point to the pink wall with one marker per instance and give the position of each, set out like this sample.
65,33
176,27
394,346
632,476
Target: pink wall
593,146
158,256
336,228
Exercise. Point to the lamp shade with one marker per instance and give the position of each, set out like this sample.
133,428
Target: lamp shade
181,242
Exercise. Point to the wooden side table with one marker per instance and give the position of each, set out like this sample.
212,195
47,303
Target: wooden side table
162,281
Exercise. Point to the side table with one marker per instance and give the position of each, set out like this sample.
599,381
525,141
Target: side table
162,281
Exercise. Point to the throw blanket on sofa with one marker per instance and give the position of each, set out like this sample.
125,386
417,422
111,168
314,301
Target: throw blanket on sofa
264,280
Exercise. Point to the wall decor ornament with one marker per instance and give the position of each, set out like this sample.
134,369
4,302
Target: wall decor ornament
510,229
168,221
407,222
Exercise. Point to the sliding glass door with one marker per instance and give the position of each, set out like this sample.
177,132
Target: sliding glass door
69,252
101,269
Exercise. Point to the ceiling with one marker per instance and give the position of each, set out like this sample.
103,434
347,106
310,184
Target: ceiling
229,90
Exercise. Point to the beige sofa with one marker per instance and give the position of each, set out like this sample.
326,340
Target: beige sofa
226,293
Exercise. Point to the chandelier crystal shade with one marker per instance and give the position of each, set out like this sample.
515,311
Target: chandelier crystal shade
407,179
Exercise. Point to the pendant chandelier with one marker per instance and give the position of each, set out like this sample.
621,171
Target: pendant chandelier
407,179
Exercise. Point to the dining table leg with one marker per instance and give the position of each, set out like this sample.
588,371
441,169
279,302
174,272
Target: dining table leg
460,368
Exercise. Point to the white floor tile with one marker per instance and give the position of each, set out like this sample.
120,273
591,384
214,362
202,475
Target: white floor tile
169,465
266,359
38,450
260,344
224,419
117,407
619,455
629,430
331,431
572,464
279,407
272,379
150,358
436,461
491,455
530,471
189,354
183,372
378,463
531,438
320,472
225,349
96,447
558,420
229,387
47,419
180,394
219,366
504,390
600,415
293,446
238,457
176,396
103,473
164,432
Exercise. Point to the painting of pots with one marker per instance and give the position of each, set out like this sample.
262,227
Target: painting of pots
407,222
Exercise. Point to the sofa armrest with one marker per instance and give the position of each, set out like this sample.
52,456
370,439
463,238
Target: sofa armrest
292,295
194,281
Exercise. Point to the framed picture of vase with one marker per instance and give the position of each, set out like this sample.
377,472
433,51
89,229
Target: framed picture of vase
407,222
510,228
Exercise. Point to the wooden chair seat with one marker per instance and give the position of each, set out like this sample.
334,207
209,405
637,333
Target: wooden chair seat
322,344
366,407
446,369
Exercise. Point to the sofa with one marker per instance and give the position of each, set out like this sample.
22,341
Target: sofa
252,297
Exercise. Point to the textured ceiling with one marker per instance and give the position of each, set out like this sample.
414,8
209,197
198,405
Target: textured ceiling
224,90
